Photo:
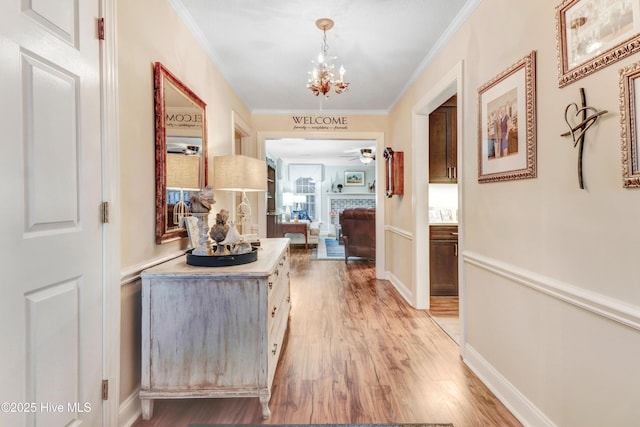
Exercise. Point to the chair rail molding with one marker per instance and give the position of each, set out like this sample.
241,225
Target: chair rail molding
594,302
399,231
131,274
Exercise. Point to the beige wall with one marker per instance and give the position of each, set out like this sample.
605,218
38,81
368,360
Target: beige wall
548,265
150,31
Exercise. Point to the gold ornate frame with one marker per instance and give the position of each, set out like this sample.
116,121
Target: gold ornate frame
519,78
629,90
604,51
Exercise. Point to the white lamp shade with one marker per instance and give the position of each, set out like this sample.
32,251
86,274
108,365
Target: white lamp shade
287,199
239,173
300,198
183,171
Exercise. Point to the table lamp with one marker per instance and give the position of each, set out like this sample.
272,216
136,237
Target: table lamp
287,202
240,173
183,172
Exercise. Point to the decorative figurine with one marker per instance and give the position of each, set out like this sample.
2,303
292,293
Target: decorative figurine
200,207
219,232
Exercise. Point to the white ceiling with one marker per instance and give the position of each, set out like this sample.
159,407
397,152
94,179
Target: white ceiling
264,49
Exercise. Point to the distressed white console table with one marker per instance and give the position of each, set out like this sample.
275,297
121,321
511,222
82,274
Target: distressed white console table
214,331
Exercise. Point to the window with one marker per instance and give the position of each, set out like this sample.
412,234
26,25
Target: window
307,187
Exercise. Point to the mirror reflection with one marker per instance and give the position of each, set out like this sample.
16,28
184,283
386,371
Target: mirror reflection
181,155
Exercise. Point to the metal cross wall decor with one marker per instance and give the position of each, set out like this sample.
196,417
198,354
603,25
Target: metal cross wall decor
577,131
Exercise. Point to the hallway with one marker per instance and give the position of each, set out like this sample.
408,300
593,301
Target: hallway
356,353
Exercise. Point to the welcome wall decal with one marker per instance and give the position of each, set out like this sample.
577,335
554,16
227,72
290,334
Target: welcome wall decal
319,122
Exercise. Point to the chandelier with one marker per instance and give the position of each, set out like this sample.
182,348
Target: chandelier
322,79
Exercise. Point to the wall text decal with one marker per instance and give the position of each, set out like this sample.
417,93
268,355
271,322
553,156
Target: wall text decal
319,122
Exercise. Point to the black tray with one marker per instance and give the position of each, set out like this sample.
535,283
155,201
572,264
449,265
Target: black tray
221,260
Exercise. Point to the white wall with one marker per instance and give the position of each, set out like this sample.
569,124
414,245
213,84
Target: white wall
552,278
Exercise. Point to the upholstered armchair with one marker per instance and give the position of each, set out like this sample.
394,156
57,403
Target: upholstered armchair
359,232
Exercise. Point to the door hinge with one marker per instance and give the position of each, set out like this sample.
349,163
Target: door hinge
105,389
104,212
100,28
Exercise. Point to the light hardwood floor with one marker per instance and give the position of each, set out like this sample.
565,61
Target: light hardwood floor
356,353
445,311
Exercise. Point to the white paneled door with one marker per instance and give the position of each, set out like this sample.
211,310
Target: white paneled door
51,263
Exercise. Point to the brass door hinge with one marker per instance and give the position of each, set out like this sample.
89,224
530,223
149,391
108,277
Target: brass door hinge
100,28
105,389
104,212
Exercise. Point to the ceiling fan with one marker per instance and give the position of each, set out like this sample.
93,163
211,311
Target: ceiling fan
366,155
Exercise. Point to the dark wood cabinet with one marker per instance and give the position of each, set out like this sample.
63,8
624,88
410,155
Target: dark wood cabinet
443,143
443,253
271,201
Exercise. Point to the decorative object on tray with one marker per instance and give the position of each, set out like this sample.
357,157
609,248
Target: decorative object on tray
191,224
507,124
230,249
219,232
629,119
200,208
588,116
592,34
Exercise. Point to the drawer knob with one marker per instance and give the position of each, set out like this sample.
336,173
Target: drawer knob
273,312
275,349
270,285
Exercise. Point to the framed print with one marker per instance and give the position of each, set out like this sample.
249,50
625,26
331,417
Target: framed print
354,178
507,124
629,104
592,34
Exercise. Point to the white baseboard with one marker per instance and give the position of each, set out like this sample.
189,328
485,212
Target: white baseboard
523,409
130,410
404,291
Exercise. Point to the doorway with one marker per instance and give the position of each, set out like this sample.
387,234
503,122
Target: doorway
375,138
449,85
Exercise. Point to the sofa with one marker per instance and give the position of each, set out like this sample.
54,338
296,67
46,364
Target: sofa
359,232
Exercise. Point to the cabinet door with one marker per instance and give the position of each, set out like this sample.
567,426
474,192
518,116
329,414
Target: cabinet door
443,145
443,270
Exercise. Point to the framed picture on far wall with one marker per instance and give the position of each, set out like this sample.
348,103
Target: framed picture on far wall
354,178
507,124
592,34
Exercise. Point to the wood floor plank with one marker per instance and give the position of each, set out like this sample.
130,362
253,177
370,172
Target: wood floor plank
356,353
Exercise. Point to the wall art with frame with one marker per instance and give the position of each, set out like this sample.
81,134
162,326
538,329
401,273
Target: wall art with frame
354,178
629,119
507,124
592,34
